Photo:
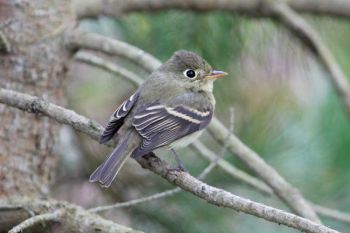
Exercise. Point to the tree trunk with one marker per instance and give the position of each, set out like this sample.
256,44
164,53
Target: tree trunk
32,60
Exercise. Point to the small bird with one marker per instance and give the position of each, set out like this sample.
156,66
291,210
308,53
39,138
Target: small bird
170,109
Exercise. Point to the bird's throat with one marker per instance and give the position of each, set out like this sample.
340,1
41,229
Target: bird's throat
208,86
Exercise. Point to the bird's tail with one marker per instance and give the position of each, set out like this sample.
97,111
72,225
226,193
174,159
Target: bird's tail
108,170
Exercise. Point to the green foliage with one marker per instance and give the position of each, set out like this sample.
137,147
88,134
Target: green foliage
334,131
215,36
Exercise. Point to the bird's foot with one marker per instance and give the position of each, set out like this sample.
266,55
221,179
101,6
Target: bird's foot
180,165
178,169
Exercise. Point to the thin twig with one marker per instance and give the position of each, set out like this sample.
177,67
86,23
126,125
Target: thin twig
16,207
183,180
332,213
230,169
5,45
47,217
153,197
10,207
76,39
112,67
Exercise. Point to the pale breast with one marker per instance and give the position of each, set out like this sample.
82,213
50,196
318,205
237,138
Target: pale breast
184,141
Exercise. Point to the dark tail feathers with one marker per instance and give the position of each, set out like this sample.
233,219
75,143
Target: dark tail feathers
108,170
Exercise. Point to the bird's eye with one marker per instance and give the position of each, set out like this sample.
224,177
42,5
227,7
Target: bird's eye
190,73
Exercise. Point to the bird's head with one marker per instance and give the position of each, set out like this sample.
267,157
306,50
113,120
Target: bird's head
191,69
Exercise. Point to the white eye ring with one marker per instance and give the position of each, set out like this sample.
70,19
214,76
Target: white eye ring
189,73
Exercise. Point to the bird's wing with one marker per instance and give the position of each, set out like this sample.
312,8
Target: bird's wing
117,118
160,125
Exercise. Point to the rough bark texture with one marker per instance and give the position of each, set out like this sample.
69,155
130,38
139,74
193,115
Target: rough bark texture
32,60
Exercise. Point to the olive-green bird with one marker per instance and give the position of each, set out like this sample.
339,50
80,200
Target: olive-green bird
170,109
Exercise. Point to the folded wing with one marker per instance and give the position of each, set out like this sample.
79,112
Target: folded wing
160,125
117,119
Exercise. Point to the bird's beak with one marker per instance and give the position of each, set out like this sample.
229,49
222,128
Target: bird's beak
215,74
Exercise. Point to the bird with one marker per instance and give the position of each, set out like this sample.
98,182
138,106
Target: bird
169,110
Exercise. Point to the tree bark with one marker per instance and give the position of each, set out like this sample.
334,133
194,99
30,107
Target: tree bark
32,60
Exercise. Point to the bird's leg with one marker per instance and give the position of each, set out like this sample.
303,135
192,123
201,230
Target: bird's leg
180,164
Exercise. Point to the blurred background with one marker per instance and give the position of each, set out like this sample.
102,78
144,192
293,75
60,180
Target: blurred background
285,109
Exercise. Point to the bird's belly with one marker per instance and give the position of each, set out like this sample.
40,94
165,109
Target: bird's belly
184,141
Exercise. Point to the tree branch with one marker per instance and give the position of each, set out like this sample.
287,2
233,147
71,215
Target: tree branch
115,8
310,37
232,170
41,218
183,180
289,194
98,61
153,197
331,213
73,218
75,39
